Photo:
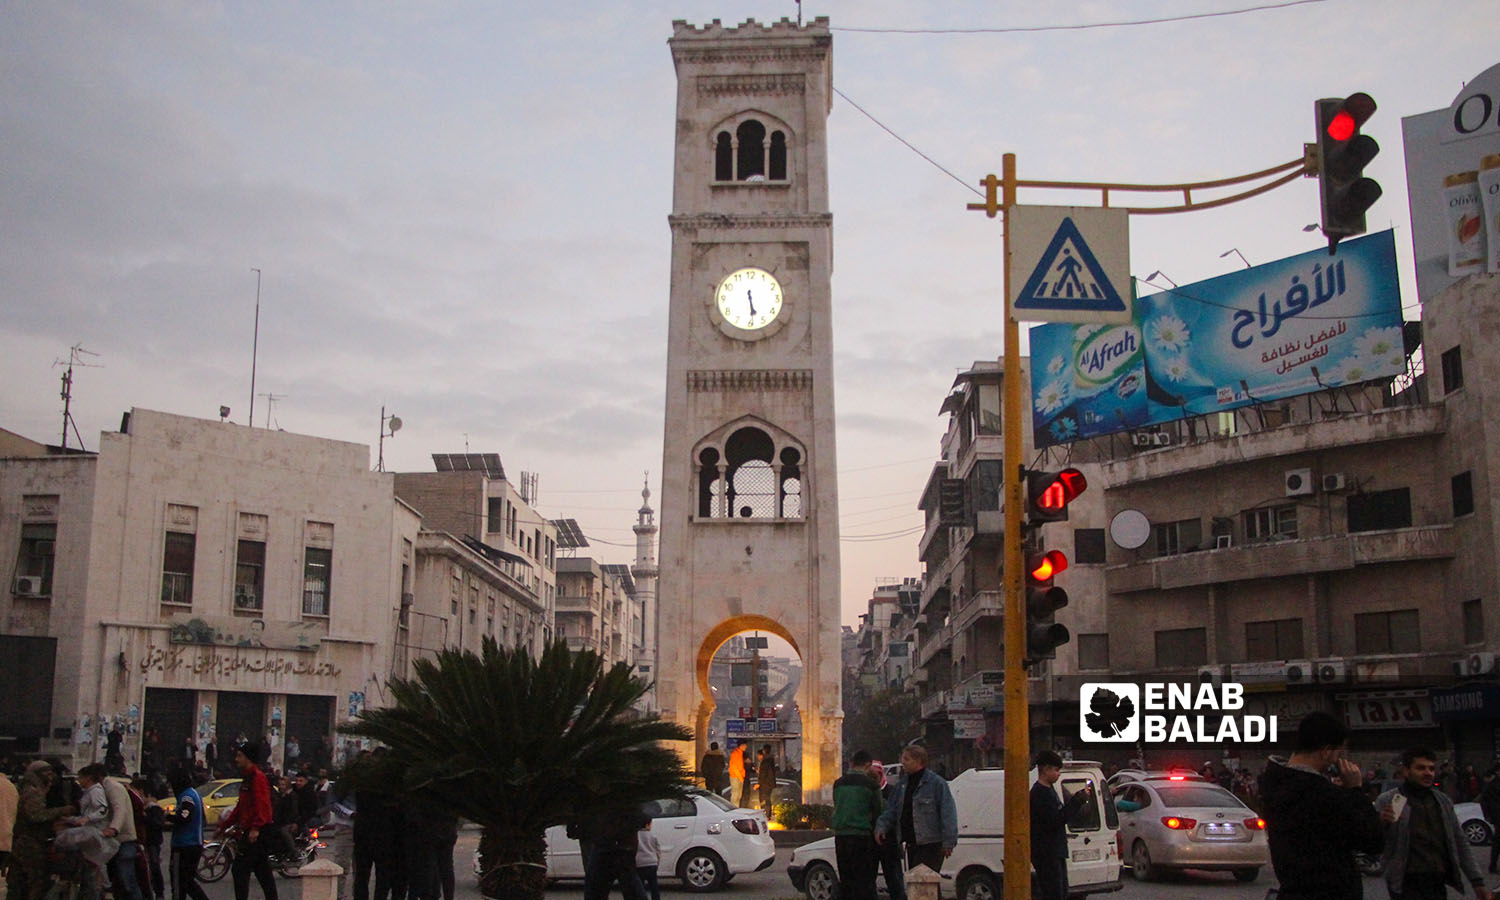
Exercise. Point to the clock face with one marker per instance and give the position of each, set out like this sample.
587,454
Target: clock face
749,298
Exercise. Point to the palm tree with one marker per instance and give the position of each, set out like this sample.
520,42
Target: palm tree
517,745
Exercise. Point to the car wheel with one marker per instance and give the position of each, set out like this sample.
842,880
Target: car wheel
978,886
1248,874
1140,862
1477,831
701,871
822,882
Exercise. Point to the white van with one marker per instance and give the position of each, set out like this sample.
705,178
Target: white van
977,863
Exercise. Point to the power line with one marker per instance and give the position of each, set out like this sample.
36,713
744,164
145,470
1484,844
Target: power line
908,144
1018,29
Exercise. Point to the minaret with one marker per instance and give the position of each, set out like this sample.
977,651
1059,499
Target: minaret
644,571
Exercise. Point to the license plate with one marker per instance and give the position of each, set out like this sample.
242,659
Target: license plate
1218,828
1085,855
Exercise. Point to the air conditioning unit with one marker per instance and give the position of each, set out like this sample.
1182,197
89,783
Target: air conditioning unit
1299,482
1335,482
1210,674
1223,541
1161,439
1141,439
1299,671
1480,664
1330,671
1460,667
29,585
408,599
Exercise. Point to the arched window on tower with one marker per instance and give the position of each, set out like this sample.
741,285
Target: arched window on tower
752,481
752,156
778,156
791,483
709,485
724,157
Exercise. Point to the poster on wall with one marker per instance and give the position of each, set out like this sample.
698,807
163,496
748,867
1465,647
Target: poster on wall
1453,185
1285,328
235,631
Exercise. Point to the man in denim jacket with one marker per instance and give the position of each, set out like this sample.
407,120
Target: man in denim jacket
920,813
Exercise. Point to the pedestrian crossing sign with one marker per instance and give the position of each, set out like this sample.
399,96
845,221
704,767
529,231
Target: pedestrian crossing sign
1075,262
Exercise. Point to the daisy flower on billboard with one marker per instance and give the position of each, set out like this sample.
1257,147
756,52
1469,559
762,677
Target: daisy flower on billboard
1168,333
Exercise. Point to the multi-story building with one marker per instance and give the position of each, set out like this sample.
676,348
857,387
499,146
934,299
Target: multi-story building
200,581
595,611
486,560
884,652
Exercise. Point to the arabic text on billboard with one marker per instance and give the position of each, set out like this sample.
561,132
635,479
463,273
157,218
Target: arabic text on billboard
1289,327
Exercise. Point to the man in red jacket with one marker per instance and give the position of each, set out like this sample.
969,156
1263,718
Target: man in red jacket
250,822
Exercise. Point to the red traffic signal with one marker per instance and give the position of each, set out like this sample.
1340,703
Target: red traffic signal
1045,566
1049,493
1344,193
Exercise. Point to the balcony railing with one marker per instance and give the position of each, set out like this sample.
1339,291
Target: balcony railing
933,704
1330,553
983,605
937,641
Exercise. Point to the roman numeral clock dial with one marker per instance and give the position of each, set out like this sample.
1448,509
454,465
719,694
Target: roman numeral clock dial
749,301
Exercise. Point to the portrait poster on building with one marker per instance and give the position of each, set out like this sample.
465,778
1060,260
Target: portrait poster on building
1278,330
238,631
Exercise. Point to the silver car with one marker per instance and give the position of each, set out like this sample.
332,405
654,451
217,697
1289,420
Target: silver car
1168,824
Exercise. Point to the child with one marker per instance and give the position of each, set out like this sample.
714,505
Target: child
647,858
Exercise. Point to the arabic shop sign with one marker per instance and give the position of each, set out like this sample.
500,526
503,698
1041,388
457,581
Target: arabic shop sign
1286,328
239,631
182,661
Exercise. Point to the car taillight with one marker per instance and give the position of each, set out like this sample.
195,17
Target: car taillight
1179,824
1255,824
747,826
1177,778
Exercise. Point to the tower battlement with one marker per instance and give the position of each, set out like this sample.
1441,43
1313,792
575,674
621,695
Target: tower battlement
715,30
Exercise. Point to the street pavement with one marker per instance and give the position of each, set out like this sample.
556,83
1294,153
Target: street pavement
773,884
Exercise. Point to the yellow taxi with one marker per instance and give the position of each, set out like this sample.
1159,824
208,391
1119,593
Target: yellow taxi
219,797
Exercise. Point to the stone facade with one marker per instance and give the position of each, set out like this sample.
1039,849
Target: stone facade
751,190
280,559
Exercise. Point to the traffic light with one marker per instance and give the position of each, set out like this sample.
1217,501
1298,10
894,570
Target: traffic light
1049,493
1343,153
1044,634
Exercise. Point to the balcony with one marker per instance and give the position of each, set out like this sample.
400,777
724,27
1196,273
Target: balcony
1346,430
1274,559
939,640
934,545
576,603
983,605
577,644
934,705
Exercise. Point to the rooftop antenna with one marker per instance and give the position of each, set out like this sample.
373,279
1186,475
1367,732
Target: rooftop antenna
75,358
271,399
395,426
254,346
799,13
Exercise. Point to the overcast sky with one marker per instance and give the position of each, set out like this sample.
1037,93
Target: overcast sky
460,208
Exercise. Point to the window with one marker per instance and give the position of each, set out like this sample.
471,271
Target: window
250,575
1453,370
752,156
1181,647
317,577
1088,545
1270,523
177,558
1463,494
1273,639
723,157
37,554
778,156
988,409
1387,632
754,481
1093,651
1380,510
1474,621
494,519
1178,537
1226,423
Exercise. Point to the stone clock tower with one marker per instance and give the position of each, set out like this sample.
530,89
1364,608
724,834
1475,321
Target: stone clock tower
749,524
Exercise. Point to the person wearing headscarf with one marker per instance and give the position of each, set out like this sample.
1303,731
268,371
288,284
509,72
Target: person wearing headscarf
28,853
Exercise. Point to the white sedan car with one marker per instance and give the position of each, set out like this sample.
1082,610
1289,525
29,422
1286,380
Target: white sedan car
705,841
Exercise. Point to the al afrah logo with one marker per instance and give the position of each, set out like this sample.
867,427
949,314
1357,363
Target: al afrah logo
1160,712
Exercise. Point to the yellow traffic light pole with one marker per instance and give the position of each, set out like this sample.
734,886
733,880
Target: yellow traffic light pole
1000,197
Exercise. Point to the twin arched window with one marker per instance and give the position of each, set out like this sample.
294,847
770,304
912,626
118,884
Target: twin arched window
752,479
747,154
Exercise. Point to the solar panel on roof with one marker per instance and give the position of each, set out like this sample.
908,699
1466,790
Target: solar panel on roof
569,535
488,463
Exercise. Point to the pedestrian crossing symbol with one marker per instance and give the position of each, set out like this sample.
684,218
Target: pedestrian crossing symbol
1073,277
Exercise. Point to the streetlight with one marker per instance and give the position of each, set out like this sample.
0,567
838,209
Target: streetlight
1159,274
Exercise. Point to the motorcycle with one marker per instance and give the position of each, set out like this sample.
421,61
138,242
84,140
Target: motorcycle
218,856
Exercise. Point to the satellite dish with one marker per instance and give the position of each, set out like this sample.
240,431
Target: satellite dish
395,424
1129,528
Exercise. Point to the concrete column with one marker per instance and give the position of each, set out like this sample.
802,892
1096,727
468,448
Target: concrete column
320,880
921,884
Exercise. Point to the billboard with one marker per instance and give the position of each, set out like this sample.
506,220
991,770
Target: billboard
1453,185
1285,328
238,631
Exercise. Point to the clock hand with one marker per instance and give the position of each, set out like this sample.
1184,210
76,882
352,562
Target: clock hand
751,300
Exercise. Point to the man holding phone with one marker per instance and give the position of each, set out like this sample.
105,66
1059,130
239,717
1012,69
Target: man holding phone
1425,850
1318,815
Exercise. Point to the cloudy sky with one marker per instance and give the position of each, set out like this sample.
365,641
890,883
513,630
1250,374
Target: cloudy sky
460,208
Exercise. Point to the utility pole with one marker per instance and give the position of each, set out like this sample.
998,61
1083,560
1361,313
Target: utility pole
254,347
